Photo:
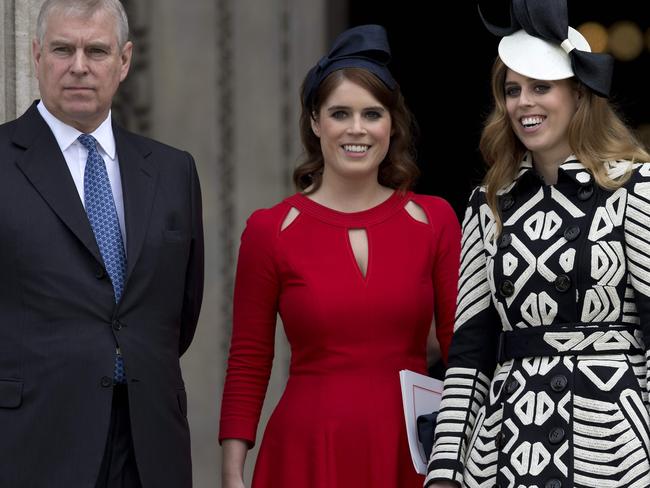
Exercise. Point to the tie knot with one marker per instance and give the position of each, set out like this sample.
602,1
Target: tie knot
88,141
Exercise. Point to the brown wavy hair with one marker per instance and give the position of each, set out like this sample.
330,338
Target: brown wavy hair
596,134
398,169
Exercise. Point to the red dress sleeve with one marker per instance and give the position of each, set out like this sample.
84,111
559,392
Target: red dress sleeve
254,317
446,262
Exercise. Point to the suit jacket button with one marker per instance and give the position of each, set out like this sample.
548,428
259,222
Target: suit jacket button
572,233
562,283
558,383
100,273
505,240
507,288
117,325
106,381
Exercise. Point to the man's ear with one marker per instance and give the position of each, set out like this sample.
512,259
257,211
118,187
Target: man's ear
36,54
125,58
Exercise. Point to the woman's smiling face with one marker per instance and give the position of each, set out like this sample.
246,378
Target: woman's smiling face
354,130
540,112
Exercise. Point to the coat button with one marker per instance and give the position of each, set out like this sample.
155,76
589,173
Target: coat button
507,288
556,435
562,283
585,192
100,273
505,240
511,386
572,233
106,381
558,383
498,440
553,483
117,325
507,201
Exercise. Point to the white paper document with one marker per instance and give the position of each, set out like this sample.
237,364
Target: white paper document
420,395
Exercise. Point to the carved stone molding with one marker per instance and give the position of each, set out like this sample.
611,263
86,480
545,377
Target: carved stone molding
8,67
18,87
225,159
133,103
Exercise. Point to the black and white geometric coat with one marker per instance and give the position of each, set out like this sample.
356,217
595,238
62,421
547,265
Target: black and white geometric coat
546,385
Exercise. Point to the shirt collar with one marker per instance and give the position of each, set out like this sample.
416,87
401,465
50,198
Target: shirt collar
66,135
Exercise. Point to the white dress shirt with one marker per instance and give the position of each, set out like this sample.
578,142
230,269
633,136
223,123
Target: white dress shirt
75,155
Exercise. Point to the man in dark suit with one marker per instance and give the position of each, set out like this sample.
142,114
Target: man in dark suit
101,259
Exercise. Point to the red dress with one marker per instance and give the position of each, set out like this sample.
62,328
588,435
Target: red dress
339,422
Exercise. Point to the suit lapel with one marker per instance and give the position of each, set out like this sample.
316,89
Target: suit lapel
138,188
44,166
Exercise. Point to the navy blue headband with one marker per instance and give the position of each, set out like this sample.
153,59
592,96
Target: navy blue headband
364,46
548,20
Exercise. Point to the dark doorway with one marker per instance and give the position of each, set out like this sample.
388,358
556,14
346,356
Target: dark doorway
446,83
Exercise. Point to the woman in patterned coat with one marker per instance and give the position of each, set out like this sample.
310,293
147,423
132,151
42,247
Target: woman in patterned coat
547,378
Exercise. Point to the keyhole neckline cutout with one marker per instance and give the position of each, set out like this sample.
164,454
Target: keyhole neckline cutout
358,241
374,215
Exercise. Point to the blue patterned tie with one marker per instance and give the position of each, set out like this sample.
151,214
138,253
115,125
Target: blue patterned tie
102,215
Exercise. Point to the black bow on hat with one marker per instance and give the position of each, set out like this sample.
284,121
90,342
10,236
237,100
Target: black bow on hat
364,46
548,20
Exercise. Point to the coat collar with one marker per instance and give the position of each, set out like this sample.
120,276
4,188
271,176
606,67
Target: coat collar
571,170
43,165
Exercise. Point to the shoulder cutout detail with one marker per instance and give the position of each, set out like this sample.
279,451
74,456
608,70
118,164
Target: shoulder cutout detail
289,218
416,212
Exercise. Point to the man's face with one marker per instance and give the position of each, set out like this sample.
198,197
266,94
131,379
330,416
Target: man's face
79,67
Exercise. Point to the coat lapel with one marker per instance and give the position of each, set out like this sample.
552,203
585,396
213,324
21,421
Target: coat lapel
44,166
139,177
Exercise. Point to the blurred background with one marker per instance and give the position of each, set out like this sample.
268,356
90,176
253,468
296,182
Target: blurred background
220,78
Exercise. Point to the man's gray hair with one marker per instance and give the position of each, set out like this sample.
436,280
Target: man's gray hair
84,8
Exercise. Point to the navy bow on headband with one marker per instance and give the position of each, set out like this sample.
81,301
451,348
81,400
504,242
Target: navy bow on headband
364,46
548,20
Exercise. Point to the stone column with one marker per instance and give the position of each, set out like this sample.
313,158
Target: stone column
18,87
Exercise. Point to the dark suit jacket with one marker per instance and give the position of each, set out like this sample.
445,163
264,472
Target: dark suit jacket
59,323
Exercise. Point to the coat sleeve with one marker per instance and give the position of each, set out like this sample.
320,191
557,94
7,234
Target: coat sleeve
194,274
472,356
637,255
255,307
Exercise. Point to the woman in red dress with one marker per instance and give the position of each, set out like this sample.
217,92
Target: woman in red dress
357,267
